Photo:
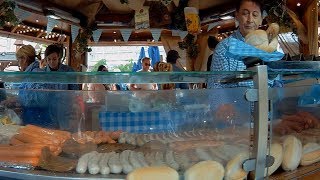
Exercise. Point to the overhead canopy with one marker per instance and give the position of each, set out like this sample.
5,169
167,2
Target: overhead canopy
112,15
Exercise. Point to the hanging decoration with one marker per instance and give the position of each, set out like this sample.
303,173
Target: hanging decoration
166,2
74,32
190,45
156,33
82,40
192,20
141,19
7,13
183,34
176,2
51,24
96,35
178,18
175,33
21,14
126,33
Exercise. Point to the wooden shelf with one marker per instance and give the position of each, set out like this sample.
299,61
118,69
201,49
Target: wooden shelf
311,172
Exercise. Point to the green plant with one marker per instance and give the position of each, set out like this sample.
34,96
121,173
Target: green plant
190,45
99,63
277,13
125,67
82,40
7,13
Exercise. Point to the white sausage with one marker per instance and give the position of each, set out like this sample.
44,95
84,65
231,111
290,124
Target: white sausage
124,160
122,137
169,158
141,159
83,163
114,163
103,164
93,166
133,159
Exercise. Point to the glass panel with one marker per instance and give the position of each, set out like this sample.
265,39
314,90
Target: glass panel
292,71
176,128
116,77
295,126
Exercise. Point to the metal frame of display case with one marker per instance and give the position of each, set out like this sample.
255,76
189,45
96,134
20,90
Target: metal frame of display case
257,163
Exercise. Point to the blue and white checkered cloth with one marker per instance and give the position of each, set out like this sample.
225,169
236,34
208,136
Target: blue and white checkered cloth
146,122
242,50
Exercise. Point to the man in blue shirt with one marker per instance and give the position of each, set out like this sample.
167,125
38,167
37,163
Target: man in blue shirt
249,15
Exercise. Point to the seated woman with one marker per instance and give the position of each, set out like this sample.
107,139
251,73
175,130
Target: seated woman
33,101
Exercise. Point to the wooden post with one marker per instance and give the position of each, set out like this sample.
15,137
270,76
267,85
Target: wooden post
310,21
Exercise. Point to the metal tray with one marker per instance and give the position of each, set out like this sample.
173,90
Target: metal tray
6,173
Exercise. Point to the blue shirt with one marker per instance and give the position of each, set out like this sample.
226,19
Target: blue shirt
62,68
175,68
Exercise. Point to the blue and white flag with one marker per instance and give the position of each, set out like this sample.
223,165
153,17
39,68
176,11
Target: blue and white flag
156,33
74,32
51,23
126,33
96,35
21,14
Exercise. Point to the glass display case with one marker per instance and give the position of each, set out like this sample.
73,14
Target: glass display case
295,120
51,133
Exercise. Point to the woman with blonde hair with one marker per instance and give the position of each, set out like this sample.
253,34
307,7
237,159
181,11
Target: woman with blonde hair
26,57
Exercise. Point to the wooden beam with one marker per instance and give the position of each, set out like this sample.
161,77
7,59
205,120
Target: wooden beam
25,37
14,29
39,34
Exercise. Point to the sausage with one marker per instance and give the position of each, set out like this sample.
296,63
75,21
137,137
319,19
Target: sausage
93,166
124,160
141,159
103,163
133,159
114,163
169,158
82,165
122,137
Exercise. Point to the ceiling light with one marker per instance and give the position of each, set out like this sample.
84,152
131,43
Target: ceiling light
37,20
53,16
298,4
114,32
226,17
218,27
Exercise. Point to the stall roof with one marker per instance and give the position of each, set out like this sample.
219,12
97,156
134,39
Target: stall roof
112,15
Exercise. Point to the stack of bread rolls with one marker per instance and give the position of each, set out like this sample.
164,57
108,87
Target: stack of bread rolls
264,40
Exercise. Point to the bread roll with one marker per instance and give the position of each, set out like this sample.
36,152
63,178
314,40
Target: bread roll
234,168
292,148
273,31
311,154
153,173
205,170
276,151
257,38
